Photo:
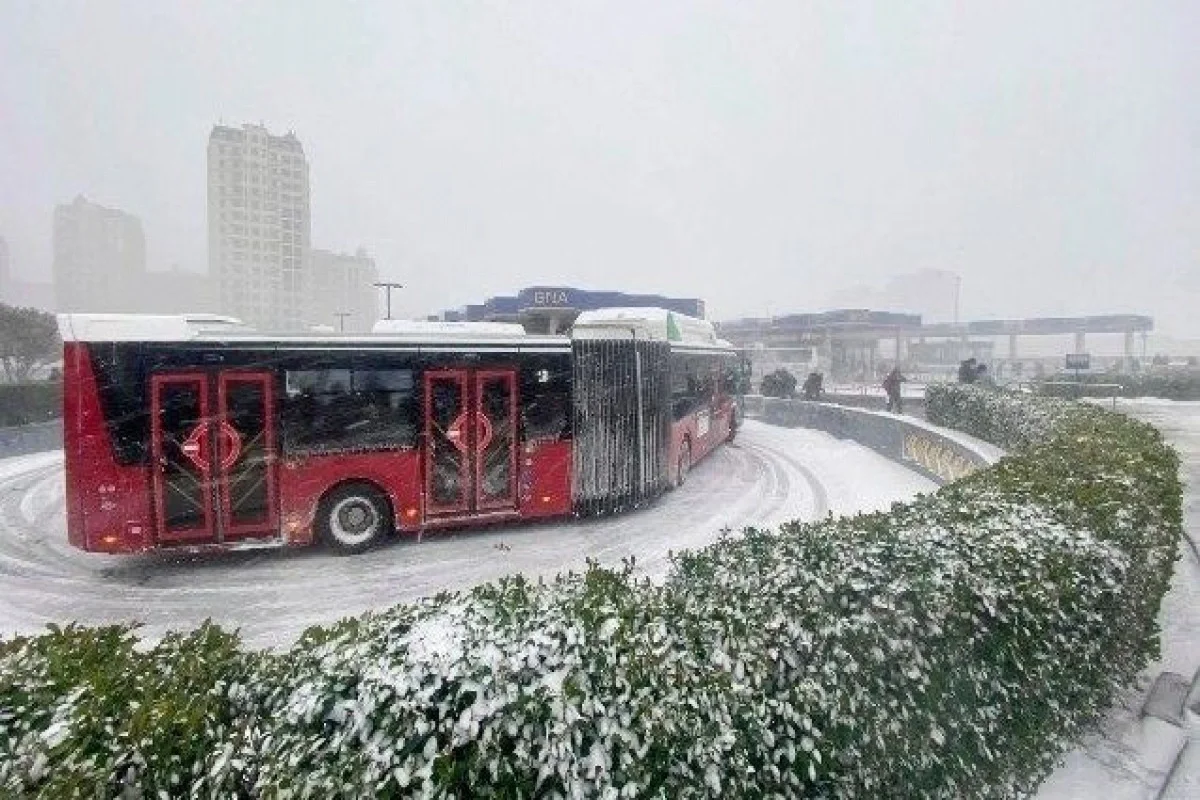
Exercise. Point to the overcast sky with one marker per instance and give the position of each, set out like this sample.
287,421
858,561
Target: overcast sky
761,155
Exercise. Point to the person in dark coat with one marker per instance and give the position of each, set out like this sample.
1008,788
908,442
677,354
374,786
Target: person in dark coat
813,386
891,385
967,371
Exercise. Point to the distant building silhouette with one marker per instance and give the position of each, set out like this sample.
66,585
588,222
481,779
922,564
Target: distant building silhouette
931,293
337,283
17,292
177,291
99,258
259,230
5,269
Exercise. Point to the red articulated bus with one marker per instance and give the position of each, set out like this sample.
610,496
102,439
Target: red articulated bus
195,432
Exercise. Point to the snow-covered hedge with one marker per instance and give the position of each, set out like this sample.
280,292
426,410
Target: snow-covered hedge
949,648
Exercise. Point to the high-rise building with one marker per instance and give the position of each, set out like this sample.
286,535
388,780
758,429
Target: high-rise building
5,269
259,229
177,291
15,291
99,258
932,293
338,284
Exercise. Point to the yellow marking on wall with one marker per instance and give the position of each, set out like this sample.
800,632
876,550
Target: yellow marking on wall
936,458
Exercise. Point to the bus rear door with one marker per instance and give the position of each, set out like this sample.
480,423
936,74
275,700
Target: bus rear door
470,442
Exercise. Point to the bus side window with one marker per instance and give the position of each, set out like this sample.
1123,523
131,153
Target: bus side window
335,410
545,401
693,383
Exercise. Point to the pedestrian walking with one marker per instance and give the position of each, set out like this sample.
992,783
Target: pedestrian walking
891,385
967,371
814,386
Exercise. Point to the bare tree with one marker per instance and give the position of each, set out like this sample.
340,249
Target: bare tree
28,339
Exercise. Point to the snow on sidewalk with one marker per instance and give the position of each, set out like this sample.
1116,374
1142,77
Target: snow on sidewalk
1132,756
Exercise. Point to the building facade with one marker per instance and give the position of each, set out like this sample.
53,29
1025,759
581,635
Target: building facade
553,309
177,291
932,294
340,291
17,292
861,345
5,269
259,230
99,258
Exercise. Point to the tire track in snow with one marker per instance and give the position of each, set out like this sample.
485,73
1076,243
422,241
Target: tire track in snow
766,476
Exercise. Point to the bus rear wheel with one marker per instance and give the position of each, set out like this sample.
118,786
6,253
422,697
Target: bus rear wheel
685,464
354,518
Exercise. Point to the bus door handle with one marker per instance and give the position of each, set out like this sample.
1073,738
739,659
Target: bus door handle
230,444
483,432
193,447
455,432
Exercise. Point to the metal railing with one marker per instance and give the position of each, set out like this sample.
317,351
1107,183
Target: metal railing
1086,389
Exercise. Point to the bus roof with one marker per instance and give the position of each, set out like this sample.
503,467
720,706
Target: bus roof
216,329
655,324
440,328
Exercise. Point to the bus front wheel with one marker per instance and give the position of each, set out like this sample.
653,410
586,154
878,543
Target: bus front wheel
354,518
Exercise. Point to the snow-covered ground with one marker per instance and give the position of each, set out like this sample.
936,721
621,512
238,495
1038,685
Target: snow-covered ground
1129,757
769,475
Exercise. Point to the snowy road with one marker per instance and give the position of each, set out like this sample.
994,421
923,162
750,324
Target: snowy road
767,476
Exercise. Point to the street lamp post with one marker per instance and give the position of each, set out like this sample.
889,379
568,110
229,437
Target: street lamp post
341,315
389,285
957,292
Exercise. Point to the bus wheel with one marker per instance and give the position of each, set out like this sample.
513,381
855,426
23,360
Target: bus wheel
685,463
353,518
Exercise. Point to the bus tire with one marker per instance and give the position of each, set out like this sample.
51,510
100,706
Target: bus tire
685,463
354,518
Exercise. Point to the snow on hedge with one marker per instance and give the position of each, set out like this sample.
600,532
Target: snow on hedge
952,647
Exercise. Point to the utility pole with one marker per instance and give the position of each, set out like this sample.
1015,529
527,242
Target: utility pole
341,315
389,285
957,292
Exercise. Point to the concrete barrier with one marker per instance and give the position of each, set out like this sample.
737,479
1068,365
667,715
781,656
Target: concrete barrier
21,440
937,453
914,406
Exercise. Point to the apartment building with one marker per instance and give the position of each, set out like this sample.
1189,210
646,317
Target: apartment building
340,291
5,268
99,258
259,230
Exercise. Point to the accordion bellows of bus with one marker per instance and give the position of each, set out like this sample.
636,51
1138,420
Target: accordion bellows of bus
198,432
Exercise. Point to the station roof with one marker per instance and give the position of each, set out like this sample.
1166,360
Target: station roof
863,323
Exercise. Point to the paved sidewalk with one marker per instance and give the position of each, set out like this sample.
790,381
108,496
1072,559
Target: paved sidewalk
1145,750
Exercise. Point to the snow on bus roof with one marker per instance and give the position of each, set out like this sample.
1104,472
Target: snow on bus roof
439,328
216,328
656,324
145,327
